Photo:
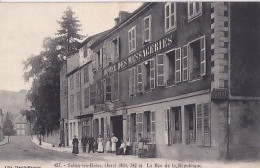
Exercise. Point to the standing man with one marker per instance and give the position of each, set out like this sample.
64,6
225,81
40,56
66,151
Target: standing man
91,142
75,144
84,143
113,143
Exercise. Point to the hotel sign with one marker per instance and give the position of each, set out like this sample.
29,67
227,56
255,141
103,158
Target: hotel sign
154,48
220,94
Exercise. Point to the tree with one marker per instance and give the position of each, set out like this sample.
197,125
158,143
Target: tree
8,127
43,69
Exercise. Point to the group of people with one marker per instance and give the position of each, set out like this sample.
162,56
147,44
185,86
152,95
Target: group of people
97,145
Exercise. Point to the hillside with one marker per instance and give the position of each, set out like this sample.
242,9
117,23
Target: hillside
13,102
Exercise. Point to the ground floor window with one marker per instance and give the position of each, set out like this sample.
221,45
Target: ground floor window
190,123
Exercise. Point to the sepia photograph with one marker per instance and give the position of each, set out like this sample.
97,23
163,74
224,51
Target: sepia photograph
130,84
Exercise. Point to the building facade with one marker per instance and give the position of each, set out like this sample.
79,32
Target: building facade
21,126
172,73
1,124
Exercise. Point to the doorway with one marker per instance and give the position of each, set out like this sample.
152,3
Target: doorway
117,127
96,128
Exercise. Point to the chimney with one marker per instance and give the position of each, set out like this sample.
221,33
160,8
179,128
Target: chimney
123,15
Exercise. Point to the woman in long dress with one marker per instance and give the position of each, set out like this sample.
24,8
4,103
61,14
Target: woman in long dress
75,144
100,144
108,145
113,143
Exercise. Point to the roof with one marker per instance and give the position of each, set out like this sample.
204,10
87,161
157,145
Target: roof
93,37
128,19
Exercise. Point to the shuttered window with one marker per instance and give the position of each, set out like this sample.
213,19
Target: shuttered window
139,78
108,88
115,85
178,65
203,125
139,123
194,9
153,127
152,73
92,94
202,57
160,70
86,97
131,81
185,63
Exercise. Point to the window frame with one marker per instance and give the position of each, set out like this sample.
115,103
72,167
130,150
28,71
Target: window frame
174,26
144,29
132,40
195,14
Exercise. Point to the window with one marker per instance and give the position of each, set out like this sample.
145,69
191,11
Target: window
170,56
71,82
170,16
86,97
190,123
194,9
86,128
160,70
78,78
131,81
108,88
92,94
71,103
86,74
115,85
197,58
147,75
78,101
132,39
115,49
100,58
106,54
99,92
177,65
147,29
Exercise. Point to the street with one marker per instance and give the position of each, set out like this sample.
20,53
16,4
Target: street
22,148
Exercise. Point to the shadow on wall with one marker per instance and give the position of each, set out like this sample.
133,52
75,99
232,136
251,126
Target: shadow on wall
245,130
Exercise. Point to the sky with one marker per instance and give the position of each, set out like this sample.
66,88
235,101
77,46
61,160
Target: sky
23,26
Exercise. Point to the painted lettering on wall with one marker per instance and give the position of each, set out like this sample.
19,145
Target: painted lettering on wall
166,42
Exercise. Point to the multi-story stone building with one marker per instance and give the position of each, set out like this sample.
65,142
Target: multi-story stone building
181,75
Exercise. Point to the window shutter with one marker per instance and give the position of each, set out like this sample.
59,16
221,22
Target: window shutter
166,126
139,78
116,85
137,125
152,74
202,57
140,123
167,16
128,126
153,127
143,30
206,125
107,53
178,65
185,63
118,48
160,70
130,82
199,123
104,56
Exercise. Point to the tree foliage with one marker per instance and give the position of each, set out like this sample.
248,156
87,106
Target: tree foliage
43,69
8,127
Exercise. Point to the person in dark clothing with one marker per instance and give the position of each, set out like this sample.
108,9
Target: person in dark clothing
84,141
75,144
91,142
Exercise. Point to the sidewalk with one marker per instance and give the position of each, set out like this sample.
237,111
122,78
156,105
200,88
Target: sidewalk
4,141
98,156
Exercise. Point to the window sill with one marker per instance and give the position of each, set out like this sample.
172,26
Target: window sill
194,80
191,18
170,30
132,51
